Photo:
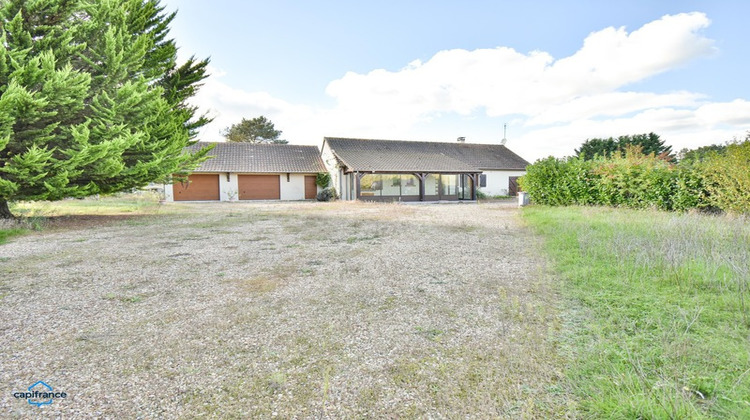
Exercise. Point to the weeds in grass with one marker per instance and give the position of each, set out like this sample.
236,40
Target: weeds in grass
6,234
122,298
666,330
276,382
463,228
270,279
353,239
432,334
21,226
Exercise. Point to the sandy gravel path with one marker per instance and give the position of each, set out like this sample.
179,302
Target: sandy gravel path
292,310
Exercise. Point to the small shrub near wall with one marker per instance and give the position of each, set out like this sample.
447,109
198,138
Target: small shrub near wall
328,194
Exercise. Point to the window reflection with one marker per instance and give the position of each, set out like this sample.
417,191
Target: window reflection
450,183
389,185
432,184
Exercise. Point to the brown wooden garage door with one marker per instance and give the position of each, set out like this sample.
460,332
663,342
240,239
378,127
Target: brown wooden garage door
259,187
311,189
200,187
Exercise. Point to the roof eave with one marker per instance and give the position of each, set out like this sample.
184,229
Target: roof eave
503,169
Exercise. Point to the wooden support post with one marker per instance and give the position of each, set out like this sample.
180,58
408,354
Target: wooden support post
474,184
421,177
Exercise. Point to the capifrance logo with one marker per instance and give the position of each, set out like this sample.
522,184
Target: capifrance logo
40,394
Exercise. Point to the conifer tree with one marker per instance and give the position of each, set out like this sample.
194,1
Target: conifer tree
649,143
92,99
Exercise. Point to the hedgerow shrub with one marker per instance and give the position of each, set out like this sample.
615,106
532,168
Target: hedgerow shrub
560,182
634,180
727,178
690,189
716,181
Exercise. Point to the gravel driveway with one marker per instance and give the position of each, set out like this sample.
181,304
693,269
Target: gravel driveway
292,310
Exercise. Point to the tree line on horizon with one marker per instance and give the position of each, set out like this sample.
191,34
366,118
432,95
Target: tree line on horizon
650,143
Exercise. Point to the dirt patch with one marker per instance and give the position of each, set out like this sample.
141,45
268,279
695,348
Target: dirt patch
287,309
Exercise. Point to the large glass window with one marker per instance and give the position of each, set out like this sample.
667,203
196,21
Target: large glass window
370,185
409,185
450,184
432,184
389,185
465,187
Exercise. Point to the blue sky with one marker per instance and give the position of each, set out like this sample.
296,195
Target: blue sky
557,72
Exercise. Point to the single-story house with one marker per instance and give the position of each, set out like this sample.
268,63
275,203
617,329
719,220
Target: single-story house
247,171
397,170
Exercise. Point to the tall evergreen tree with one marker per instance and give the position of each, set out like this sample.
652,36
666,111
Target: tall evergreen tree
649,143
91,98
597,147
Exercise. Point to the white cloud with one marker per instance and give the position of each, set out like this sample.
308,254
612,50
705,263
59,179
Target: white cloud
736,112
612,58
503,81
557,103
611,104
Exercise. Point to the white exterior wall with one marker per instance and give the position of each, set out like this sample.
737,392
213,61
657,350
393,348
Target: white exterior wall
168,192
294,188
228,190
347,186
497,181
332,165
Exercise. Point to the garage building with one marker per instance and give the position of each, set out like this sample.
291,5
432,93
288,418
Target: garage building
246,171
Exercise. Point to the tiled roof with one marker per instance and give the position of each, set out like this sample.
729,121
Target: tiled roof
422,156
260,158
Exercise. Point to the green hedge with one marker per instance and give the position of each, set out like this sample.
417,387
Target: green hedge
727,178
721,181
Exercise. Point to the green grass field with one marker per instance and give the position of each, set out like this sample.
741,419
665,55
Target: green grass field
658,314
145,203
37,215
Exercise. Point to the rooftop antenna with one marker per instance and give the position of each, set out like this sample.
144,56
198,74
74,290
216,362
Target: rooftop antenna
505,132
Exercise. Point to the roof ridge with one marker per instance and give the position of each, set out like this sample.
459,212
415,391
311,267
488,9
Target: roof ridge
414,141
386,154
255,144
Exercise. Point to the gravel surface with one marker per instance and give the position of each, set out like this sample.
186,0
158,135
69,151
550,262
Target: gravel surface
289,310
